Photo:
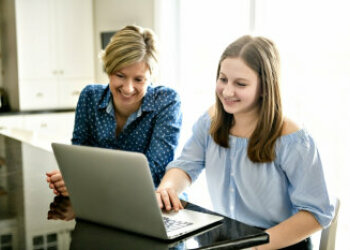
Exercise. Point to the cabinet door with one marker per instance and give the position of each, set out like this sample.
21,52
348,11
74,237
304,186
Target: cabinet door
34,39
36,95
69,92
74,43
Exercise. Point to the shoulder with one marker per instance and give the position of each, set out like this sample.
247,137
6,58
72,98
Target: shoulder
164,93
211,111
289,126
94,90
204,121
296,142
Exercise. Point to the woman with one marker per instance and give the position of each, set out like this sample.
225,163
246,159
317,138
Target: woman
261,168
128,114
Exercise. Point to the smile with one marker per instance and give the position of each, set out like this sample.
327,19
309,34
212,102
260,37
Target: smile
126,95
230,101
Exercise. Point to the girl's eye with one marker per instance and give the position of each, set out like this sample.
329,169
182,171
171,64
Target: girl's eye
119,75
241,84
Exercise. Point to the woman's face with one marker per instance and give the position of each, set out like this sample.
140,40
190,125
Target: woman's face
129,86
237,87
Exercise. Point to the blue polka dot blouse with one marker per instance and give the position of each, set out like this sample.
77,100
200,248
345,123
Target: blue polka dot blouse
154,129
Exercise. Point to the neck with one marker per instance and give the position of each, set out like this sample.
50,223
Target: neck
125,111
245,125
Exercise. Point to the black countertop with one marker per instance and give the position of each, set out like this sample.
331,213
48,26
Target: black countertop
35,112
32,217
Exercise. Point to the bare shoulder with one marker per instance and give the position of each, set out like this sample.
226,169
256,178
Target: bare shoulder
289,126
211,111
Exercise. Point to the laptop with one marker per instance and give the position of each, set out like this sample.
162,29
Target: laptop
115,188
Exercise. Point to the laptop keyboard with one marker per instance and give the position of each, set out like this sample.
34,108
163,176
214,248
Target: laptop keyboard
171,224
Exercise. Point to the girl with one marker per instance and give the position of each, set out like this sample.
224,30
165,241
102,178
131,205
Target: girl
261,168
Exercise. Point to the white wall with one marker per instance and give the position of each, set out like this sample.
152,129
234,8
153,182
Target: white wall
111,15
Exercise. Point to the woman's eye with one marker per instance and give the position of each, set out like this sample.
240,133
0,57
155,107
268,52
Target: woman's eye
139,80
222,79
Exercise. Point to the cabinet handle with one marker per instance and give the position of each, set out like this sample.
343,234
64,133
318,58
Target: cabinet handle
75,92
39,95
61,72
54,72
43,125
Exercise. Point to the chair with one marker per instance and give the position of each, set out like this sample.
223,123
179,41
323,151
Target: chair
327,241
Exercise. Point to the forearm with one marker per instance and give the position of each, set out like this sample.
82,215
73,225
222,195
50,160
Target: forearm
176,179
291,231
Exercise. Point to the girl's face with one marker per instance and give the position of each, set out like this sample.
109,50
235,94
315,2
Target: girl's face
238,87
129,86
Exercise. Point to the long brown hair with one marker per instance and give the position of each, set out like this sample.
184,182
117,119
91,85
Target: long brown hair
262,56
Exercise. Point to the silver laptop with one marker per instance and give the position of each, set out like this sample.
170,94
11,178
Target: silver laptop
115,188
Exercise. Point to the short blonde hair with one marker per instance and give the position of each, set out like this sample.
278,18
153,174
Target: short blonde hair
130,45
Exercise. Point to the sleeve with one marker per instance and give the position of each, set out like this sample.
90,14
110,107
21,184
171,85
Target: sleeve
192,158
81,132
166,133
307,185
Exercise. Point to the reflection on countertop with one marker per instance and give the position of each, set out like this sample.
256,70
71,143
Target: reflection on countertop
25,199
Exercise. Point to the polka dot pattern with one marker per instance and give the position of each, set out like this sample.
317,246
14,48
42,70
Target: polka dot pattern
153,130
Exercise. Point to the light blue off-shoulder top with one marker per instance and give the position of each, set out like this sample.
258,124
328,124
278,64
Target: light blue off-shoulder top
259,194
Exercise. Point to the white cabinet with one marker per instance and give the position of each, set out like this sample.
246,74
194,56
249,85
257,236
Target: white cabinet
55,55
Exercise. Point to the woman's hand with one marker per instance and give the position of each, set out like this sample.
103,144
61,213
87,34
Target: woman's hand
56,183
168,199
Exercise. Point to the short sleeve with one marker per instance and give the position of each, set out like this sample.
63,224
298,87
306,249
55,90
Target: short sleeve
307,186
192,158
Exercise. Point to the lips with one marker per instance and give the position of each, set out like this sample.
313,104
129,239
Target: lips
126,95
230,100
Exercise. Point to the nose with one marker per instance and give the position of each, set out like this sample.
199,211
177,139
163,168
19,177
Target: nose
228,90
128,87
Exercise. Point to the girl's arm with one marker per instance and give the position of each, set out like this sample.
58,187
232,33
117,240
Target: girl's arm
173,183
291,231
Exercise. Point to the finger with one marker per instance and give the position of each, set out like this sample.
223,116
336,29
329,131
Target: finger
159,200
62,189
59,184
52,172
166,200
56,177
174,199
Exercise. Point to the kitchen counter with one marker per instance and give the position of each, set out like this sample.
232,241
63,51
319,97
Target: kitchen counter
32,112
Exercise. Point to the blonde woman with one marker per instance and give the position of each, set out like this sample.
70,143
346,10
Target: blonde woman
262,169
128,113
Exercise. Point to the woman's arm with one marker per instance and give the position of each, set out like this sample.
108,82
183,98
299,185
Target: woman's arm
291,231
174,182
82,120
165,134
80,137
